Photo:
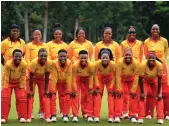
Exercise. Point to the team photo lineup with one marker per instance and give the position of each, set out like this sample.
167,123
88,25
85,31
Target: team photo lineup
133,72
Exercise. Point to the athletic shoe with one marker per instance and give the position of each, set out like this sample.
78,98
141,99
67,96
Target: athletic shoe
160,121
3,121
140,121
41,115
133,120
117,120
110,120
125,115
53,119
90,119
148,117
28,120
22,120
48,120
96,120
65,119
75,119
167,117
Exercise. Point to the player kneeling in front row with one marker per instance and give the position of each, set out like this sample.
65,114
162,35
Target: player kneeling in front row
82,81
40,69
104,76
151,76
60,80
15,78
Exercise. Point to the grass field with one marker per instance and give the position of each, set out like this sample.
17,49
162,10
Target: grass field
103,120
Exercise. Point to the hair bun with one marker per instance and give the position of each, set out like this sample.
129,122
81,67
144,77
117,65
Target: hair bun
56,25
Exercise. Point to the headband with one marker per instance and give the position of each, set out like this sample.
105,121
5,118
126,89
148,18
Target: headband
105,51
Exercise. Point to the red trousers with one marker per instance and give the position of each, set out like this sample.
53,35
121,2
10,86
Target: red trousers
133,102
86,99
104,80
159,104
21,100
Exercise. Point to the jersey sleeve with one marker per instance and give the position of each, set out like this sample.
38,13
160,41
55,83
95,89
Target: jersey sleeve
114,78
90,51
96,52
6,76
24,46
74,72
165,48
96,81
91,76
117,53
135,82
53,78
141,52
145,49
118,76
70,51
27,55
69,77
23,77
3,47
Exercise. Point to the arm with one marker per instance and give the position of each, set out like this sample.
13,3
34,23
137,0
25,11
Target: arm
166,49
91,77
117,54
6,76
74,71
96,52
23,78
118,77
159,85
90,51
69,78
145,49
31,81
46,82
122,50
114,77
2,59
141,84
70,51
135,83
27,55
2,53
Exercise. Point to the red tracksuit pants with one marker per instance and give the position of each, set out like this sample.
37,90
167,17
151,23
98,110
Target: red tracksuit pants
133,102
44,100
165,93
21,100
64,99
86,99
159,104
104,80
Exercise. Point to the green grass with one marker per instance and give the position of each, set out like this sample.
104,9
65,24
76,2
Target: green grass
103,119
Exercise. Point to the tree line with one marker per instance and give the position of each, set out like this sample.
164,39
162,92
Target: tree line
92,15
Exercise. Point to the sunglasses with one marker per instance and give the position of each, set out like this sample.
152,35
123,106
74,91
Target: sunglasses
132,32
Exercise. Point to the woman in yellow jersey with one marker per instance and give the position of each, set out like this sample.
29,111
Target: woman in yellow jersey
80,43
32,49
107,42
159,45
57,43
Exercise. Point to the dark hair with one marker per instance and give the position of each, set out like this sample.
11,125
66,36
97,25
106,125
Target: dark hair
56,26
105,29
83,52
16,50
12,27
77,31
110,53
62,50
41,50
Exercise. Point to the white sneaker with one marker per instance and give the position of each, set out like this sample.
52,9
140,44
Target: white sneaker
167,117
53,119
117,120
22,120
61,115
148,117
65,119
75,119
90,119
41,115
140,121
133,120
160,121
125,115
85,116
48,120
32,116
96,120
110,120
28,120
3,121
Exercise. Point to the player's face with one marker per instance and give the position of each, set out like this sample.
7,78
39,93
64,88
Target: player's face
155,31
81,35
83,59
128,57
132,33
17,57
151,59
58,35
15,33
105,59
37,36
107,34
42,57
62,57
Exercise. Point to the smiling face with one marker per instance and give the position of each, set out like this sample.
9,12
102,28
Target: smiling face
42,57
37,36
128,57
107,34
151,60
155,30
83,59
81,35
132,34
57,35
15,33
17,58
105,59
62,57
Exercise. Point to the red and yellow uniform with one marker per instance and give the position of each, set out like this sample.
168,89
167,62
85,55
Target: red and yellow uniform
150,77
14,78
7,48
38,72
55,47
75,47
160,47
82,79
104,76
113,46
136,46
61,80
126,82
